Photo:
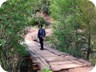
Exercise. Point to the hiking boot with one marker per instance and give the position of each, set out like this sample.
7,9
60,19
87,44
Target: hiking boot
41,48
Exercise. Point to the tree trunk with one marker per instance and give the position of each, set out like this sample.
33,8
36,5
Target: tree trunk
89,47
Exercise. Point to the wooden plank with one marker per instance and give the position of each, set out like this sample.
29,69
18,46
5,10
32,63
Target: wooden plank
54,51
66,66
84,62
40,61
43,52
53,59
65,62
43,64
49,55
81,69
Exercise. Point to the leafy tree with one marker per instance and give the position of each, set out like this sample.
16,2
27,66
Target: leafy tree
88,15
73,26
15,16
63,13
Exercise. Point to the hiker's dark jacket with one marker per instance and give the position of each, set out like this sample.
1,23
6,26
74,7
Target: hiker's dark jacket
41,33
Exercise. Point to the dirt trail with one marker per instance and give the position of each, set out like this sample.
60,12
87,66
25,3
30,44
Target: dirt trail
32,34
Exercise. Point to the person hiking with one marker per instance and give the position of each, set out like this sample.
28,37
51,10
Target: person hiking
41,36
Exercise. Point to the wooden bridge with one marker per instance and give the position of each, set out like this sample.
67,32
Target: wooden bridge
55,60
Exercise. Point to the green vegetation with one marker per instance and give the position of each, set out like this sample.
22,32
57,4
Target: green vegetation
74,28
15,15
46,70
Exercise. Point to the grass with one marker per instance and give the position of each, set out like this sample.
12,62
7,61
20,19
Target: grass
46,70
